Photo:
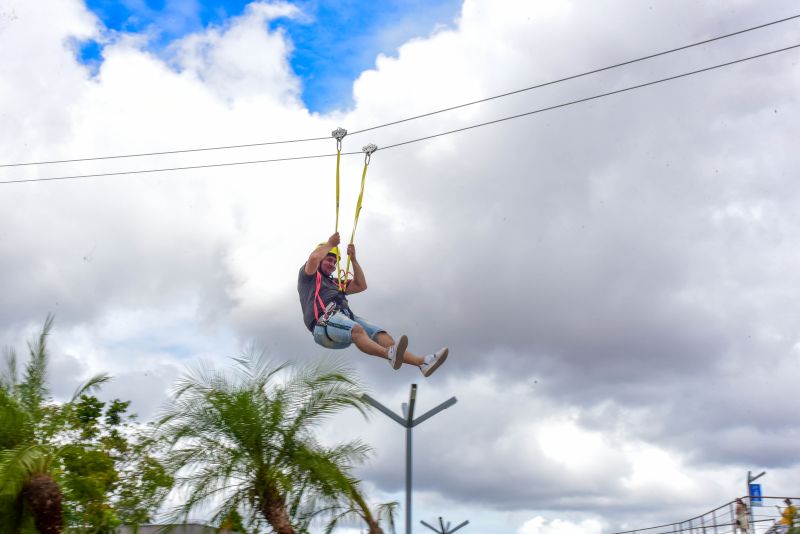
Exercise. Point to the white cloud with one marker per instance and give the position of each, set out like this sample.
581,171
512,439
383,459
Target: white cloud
225,60
538,525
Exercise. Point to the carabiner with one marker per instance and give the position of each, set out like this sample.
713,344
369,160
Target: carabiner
368,150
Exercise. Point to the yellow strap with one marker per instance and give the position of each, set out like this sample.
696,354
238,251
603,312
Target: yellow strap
358,212
338,264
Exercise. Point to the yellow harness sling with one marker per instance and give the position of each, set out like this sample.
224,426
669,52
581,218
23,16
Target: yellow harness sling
343,277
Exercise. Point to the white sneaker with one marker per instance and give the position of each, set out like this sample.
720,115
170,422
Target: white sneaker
396,352
433,361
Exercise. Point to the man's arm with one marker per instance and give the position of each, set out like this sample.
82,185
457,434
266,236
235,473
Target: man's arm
319,254
359,282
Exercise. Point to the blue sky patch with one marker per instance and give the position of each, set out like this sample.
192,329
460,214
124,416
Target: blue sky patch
344,38
90,54
334,43
165,20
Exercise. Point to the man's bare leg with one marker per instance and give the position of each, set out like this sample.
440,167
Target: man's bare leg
385,340
366,345
381,348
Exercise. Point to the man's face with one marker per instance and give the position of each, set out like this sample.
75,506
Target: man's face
328,265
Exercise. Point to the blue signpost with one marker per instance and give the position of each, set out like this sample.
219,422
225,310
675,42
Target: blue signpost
755,495
754,492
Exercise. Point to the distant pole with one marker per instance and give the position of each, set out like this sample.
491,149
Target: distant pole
444,529
409,422
750,480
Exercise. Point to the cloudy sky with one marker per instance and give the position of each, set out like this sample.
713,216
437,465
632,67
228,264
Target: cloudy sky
616,279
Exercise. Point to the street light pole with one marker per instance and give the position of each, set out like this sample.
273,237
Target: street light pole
409,422
408,413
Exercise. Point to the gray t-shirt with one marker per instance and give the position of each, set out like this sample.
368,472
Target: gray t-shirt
307,286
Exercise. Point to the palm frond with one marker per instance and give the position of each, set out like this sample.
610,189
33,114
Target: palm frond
351,453
33,388
254,367
342,516
90,385
14,421
388,510
18,464
10,376
321,390
235,503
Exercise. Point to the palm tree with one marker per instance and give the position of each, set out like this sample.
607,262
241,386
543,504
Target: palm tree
28,452
354,505
26,481
346,504
243,440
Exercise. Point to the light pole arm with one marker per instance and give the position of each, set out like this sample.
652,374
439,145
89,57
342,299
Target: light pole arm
386,411
430,527
464,524
430,413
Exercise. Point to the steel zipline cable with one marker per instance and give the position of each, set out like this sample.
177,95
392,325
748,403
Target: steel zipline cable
436,112
427,137
163,153
172,169
595,97
575,76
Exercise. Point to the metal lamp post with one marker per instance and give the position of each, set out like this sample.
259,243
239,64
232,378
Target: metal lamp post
444,529
409,422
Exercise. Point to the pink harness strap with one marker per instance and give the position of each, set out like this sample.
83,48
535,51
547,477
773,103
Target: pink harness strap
317,299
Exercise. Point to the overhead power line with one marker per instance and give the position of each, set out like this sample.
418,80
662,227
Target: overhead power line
427,137
428,114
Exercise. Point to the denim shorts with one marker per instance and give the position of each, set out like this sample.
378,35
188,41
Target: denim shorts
338,334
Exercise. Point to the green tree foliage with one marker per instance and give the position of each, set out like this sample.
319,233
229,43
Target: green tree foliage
82,464
243,441
29,495
111,476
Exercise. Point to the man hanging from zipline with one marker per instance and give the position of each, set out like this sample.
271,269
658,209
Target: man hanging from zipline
327,313
323,296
